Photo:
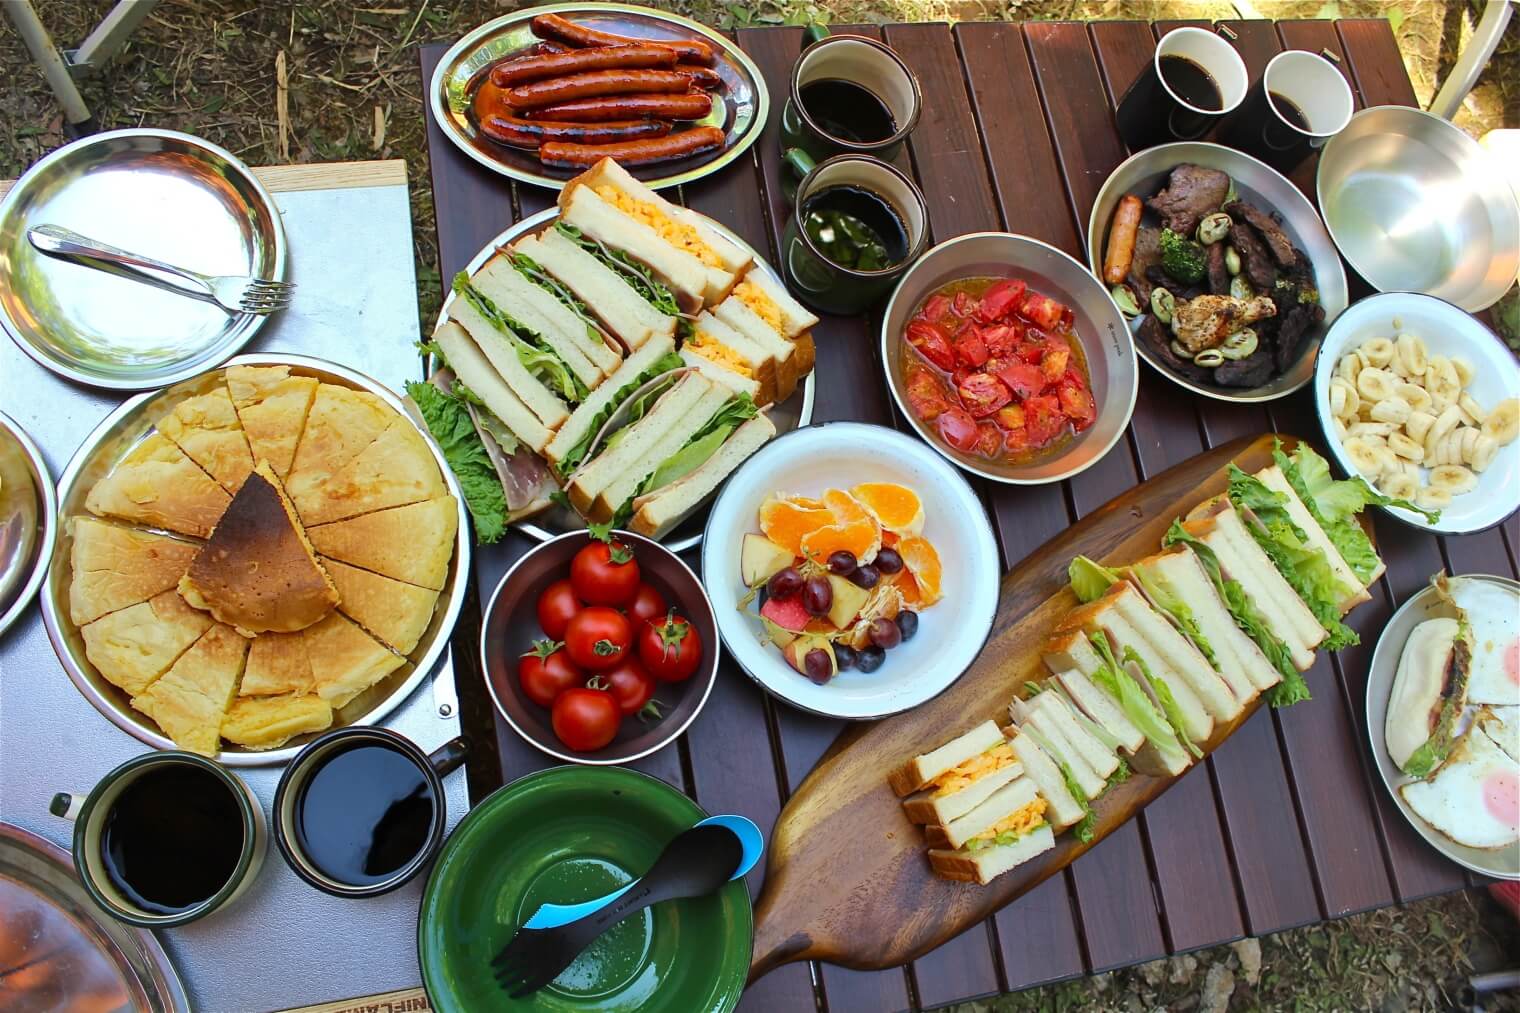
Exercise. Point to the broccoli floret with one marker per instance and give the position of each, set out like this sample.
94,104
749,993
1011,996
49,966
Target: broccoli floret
1181,258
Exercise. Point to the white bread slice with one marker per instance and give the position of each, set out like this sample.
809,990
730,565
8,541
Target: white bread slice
498,348
1002,803
1095,754
627,315
716,342
914,774
930,807
662,509
586,354
1273,478
635,441
737,315
1064,809
469,364
1072,659
722,375
586,413
773,303
987,864
1055,739
1178,652
685,275
623,487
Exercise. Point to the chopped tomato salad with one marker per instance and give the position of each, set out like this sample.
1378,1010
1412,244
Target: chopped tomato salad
995,369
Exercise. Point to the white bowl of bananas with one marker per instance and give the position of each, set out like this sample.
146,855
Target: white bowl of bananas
1423,401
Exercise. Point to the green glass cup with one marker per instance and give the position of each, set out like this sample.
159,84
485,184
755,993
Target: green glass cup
815,278
861,98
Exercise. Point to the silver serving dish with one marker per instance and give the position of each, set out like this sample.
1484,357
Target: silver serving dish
122,430
28,520
165,194
1145,173
1416,205
741,114
1106,344
793,413
1503,863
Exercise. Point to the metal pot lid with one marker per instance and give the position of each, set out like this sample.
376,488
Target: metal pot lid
28,520
165,194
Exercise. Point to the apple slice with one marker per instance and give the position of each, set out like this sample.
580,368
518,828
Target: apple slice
848,599
786,613
798,650
760,559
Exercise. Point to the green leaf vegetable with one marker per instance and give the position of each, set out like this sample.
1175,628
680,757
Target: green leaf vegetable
1169,601
1165,698
702,445
1089,580
1083,830
534,272
532,351
1434,750
448,420
577,453
636,274
1137,706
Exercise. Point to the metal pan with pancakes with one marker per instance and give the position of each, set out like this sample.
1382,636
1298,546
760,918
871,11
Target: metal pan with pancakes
350,479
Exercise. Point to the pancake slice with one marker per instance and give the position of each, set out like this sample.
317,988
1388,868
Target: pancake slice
267,722
396,469
134,646
345,661
413,543
340,424
157,485
277,663
114,567
207,429
257,572
272,405
190,699
395,613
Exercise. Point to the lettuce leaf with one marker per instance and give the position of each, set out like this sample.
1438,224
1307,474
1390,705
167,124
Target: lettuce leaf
1006,837
449,421
1142,713
1089,580
1170,602
577,453
640,277
1165,699
532,351
703,444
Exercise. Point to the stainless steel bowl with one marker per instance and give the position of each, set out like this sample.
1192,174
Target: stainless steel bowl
1415,205
122,430
1106,343
1145,173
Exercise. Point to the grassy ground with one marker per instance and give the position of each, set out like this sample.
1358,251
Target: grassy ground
345,74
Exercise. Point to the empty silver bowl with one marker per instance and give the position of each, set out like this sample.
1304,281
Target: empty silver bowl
1415,205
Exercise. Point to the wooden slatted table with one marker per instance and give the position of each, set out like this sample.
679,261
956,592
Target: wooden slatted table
1284,825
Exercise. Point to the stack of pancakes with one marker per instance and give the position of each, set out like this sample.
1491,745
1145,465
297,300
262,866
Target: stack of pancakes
284,545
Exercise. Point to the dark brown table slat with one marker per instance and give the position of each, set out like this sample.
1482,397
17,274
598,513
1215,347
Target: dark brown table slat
1480,553
1376,65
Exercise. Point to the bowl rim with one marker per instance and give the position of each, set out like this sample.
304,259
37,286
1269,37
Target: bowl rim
945,452
708,671
1325,365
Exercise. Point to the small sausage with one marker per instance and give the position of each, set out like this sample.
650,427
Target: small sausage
552,26
1121,239
702,77
578,61
692,105
642,152
520,133
593,83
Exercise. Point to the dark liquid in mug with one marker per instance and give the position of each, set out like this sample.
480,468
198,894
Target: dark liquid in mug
1191,83
845,110
172,839
855,227
1290,112
364,814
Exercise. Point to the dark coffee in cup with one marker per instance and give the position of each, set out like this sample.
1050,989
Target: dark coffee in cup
364,813
845,110
1192,81
855,227
1301,101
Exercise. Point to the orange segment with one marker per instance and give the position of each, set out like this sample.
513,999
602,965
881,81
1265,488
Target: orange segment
786,521
907,587
923,563
861,537
896,507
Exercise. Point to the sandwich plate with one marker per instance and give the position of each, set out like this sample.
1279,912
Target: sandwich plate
111,441
1503,863
741,114
841,455
793,413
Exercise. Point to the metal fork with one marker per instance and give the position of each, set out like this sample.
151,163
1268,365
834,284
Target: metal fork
233,293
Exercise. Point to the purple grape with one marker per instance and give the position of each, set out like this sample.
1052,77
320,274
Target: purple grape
844,656
865,576
869,659
817,664
817,596
907,623
842,562
885,634
888,560
784,583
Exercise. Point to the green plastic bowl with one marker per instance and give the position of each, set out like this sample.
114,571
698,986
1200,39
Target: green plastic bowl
564,835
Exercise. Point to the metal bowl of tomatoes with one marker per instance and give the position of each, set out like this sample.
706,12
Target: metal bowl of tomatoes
1009,358
599,650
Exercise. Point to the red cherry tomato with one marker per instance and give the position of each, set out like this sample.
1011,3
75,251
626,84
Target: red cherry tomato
598,637
604,573
585,719
670,648
629,683
646,605
547,671
556,606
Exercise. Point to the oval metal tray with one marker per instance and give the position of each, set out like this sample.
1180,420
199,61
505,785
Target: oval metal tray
122,430
745,99
28,520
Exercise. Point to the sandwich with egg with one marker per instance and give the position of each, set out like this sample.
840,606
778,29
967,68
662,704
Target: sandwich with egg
760,309
944,784
1429,690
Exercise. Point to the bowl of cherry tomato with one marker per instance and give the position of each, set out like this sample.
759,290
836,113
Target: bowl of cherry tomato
1009,358
599,648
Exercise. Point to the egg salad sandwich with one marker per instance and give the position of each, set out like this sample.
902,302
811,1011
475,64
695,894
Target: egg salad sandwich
1005,831
730,358
760,309
697,262
1063,808
945,784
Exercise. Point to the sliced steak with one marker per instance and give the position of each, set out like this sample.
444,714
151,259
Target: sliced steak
1256,263
1147,255
1219,275
1252,371
1156,335
1271,230
1191,192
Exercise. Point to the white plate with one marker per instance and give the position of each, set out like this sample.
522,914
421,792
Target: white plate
839,455
1446,331
1426,604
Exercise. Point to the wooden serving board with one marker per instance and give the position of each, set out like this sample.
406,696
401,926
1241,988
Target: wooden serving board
848,881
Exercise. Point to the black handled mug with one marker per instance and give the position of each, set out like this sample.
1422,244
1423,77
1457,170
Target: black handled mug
1300,102
1194,79
848,94
361,810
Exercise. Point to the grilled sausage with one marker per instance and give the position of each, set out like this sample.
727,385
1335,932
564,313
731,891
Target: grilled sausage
578,61
552,26
1121,239
641,152
593,83
686,106
702,77
520,133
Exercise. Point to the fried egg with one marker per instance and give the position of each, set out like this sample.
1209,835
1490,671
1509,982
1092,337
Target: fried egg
1503,726
1474,798
1493,612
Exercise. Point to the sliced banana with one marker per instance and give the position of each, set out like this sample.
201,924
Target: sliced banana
1503,423
1445,423
1394,409
1409,358
1399,485
1465,370
1406,446
1379,429
1418,424
1365,457
1453,478
1441,378
1470,405
1469,437
1374,384
1431,498
1387,460
1343,399
1348,367
1449,449
1483,451
1377,352
1339,425
1417,396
